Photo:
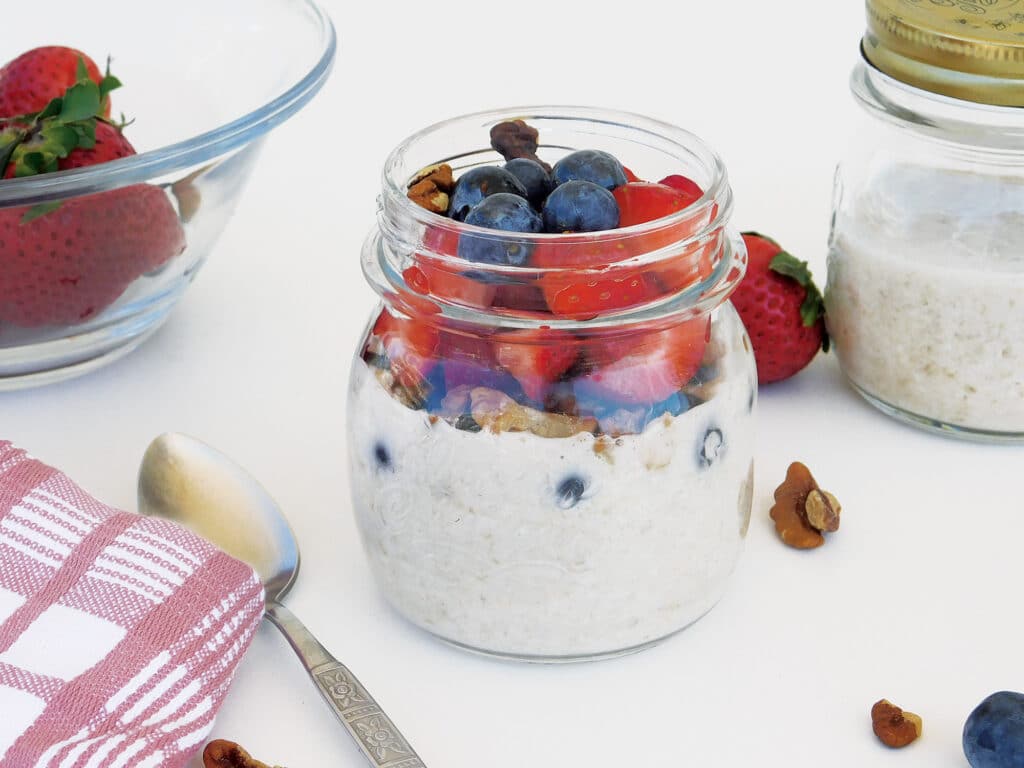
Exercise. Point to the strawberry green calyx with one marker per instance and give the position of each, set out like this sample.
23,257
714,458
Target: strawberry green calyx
813,307
11,135
33,144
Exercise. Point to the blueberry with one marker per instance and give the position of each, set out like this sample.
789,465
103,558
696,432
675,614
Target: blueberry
382,456
580,206
711,447
434,390
533,177
590,165
570,491
994,732
476,184
467,423
505,212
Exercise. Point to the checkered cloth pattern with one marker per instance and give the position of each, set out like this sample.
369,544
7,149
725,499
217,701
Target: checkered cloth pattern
119,634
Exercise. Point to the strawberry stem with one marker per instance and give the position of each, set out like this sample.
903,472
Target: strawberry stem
63,125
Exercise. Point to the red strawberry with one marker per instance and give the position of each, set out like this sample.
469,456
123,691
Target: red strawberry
644,368
65,265
431,275
111,144
688,187
410,345
536,359
65,261
29,82
642,202
782,309
583,296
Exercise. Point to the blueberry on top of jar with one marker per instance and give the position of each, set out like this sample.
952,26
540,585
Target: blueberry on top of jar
502,211
534,178
580,206
478,183
591,165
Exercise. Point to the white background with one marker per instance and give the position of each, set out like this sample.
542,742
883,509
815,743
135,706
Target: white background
916,599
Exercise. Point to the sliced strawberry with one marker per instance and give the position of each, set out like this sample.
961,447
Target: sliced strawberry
582,296
643,368
686,186
642,202
630,176
411,347
536,358
520,298
444,281
586,299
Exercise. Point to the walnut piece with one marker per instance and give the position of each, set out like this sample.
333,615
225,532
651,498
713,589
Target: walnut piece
894,727
430,188
222,753
802,511
514,138
498,412
822,510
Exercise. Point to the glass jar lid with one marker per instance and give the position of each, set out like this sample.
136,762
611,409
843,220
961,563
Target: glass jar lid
967,49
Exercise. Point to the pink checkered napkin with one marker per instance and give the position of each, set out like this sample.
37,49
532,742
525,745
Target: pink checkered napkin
119,634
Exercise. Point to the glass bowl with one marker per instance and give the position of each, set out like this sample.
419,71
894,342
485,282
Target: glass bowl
82,284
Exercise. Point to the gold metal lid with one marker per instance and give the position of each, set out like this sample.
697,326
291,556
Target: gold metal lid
967,49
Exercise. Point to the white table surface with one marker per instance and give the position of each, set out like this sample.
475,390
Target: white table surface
916,599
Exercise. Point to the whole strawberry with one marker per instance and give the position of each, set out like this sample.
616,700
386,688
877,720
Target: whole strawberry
64,261
781,308
29,82
67,265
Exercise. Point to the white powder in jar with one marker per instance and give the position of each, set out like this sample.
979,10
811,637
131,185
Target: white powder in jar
925,295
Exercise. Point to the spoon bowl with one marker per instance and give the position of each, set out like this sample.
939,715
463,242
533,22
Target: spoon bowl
187,481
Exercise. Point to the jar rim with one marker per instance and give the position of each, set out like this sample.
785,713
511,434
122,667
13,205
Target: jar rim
395,182
682,239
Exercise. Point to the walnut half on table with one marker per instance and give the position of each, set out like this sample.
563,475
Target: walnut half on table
222,753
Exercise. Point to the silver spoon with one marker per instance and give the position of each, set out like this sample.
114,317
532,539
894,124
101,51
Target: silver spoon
185,480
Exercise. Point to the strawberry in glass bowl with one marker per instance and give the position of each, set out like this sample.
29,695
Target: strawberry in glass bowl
105,221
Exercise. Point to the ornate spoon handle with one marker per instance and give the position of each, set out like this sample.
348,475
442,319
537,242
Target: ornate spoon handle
377,737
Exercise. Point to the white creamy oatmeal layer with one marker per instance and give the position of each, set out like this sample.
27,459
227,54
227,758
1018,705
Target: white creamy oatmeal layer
552,547
925,296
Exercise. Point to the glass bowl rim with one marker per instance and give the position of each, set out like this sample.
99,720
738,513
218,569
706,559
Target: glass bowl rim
188,152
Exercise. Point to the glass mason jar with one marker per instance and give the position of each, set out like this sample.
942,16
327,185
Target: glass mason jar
925,294
551,456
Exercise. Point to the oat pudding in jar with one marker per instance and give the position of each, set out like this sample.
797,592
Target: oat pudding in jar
925,294
551,411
